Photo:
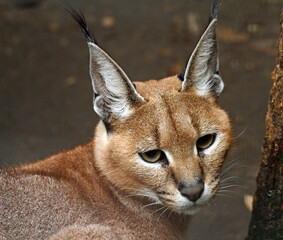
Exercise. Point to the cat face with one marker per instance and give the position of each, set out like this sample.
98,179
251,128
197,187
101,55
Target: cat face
167,139
170,150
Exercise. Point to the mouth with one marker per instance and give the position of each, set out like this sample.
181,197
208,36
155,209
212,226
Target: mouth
189,210
182,205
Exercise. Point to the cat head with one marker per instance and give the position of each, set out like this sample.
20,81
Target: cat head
162,139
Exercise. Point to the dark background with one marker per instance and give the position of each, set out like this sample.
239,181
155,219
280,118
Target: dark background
46,96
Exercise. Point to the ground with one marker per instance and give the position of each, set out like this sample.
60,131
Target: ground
46,96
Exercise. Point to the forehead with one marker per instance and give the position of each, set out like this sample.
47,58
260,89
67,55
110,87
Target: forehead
170,115
180,113
167,102
153,88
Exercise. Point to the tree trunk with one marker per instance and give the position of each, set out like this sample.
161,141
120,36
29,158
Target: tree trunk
267,218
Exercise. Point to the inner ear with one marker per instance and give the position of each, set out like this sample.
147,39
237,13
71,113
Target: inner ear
202,70
114,94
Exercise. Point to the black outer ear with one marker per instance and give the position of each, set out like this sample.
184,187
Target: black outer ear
114,94
202,70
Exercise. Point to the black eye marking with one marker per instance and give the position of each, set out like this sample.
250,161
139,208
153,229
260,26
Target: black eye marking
163,193
174,178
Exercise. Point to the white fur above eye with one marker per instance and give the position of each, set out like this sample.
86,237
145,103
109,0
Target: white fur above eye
169,157
147,164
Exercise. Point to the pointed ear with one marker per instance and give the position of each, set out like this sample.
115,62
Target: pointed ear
114,94
202,70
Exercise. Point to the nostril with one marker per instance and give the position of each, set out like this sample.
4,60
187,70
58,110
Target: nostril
192,191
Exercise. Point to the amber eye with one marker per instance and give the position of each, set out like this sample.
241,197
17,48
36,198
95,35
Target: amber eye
205,142
152,156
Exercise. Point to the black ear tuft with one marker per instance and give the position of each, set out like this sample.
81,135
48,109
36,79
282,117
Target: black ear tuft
80,19
214,13
214,10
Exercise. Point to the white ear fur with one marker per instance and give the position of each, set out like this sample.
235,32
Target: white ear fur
203,66
114,93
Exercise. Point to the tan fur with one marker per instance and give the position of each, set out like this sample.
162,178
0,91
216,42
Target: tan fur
107,189
75,194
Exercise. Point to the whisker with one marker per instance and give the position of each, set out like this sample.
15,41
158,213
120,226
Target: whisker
134,189
158,210
225,194
138,195
228,163
170,213
227,168
162,213
150,204
230,186
228,179
107,173
241,133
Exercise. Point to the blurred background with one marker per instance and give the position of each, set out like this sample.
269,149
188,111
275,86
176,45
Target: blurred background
46,95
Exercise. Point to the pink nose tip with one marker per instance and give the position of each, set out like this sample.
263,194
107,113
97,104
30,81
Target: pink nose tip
191,191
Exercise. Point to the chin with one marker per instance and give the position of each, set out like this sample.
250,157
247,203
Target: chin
190,210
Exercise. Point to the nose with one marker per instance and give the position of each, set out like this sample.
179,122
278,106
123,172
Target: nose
192,191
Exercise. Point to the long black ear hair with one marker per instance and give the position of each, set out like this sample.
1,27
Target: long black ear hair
114,94
213,15
80,19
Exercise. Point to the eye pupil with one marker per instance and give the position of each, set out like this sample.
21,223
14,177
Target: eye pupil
151,154
205,141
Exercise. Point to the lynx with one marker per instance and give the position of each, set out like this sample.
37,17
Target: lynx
155,159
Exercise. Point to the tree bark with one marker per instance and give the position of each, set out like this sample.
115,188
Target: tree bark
267,218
